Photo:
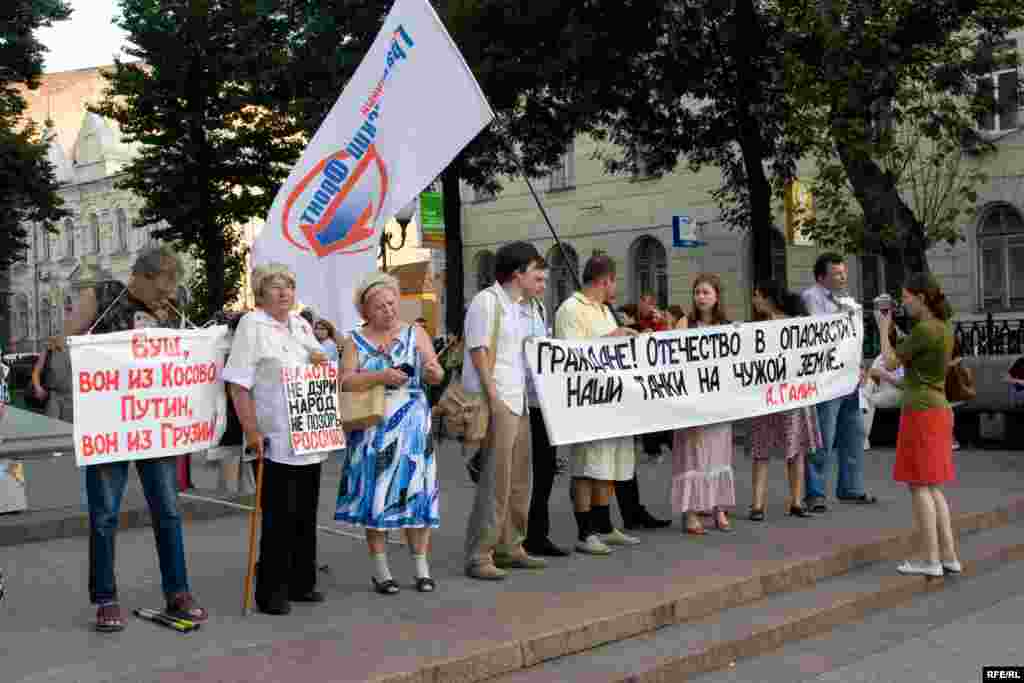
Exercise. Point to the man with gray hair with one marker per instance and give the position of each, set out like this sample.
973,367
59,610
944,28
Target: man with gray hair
113,307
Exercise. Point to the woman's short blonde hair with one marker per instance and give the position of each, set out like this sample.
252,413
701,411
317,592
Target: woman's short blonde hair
261,275
372,281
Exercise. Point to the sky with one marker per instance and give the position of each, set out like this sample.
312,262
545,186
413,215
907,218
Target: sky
87,39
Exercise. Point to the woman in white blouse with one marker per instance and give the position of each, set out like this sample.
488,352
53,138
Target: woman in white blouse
267,339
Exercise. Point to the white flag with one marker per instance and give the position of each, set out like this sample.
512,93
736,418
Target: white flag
410,107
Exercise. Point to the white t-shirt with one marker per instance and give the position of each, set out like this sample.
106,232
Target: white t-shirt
261,347
509,366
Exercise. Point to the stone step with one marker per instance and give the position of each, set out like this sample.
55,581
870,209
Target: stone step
716,641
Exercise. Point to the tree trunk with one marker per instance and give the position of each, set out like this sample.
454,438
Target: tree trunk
882,205
455,286
752,146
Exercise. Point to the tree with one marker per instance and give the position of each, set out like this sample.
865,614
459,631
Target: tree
530,59
938,178
28,186
711,89
213,148
852,63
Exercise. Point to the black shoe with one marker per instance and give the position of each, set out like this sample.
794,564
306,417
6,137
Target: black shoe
309,596
275,607
645,520
544,548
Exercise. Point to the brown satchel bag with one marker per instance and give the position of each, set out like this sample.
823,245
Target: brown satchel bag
361,409
960,384
467,414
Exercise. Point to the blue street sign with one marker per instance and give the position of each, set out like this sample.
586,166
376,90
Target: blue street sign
684,233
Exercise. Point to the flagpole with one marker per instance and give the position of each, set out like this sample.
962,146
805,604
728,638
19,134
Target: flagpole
558,242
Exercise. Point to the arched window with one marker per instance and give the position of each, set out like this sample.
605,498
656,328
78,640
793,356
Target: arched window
94,233
69,238
561,282
484,269
21,330
650,270
42,244
44,319
121,230
1001,258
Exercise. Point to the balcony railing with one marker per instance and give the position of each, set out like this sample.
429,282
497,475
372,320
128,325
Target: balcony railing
988,337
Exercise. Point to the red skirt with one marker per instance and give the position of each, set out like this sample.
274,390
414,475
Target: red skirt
924,447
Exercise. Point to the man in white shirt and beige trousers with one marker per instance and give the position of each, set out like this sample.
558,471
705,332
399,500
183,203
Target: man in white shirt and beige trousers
498,521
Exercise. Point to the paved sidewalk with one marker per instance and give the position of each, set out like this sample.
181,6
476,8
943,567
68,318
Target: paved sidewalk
358,635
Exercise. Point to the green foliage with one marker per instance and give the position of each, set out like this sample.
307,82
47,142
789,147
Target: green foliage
709,87
213,150
887,92
28,186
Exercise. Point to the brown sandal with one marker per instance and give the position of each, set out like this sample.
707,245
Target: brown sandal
109,619
183,606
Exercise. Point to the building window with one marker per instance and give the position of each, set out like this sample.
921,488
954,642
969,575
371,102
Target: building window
21,330
1001,258
650,270
1001,87
94,233
44,318
563,175
483,195
484,269
69,238
562,273
121,236
43,245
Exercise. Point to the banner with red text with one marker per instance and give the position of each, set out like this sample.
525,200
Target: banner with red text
311,392
147,393
617,386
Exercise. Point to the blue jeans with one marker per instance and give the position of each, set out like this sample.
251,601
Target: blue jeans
105,485
842,435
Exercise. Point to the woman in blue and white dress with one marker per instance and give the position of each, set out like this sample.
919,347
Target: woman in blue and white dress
389,473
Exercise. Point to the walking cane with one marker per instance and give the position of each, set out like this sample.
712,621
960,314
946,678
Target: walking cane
254,517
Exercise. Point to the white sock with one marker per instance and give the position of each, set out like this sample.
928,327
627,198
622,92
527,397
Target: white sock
422,568
381,572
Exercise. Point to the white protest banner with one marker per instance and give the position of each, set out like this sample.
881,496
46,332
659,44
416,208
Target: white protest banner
410,107
147,393
311,392
617,386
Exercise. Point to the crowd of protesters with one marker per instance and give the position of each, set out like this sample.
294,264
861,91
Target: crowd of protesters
389,473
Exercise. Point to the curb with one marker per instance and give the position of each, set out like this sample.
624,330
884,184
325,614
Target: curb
72,521
513,656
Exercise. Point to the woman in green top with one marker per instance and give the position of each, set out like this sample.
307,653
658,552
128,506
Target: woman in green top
924,447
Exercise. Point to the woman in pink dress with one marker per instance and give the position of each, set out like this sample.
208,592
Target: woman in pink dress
789,434
702,478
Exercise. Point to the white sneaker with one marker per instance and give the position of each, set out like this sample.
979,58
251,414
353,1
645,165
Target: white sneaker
616,537
919,567
956,445
867,445
953,567
593,546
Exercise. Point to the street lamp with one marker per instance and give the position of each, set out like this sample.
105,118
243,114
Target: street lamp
403,217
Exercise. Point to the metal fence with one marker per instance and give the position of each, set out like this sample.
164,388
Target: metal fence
988,337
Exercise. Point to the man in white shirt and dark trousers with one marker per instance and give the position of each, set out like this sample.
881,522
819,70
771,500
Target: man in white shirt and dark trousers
543,455
842,429
498,521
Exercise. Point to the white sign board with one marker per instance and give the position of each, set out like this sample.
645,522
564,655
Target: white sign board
311,392
147,393
616,386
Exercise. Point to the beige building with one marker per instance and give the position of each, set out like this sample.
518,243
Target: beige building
631,218
98,239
